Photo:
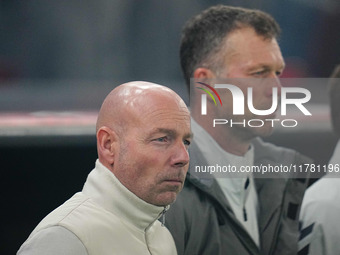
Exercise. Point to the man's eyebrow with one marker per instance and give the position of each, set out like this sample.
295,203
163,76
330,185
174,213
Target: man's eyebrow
171,132
189,135
259,66
265,66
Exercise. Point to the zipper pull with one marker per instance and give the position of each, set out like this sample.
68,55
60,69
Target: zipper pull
246,193
245,214
163,216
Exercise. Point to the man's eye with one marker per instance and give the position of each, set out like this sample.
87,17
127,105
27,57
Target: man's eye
259,73
187,142
162,139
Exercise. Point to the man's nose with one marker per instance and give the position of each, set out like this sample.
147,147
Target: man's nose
180,156
273,82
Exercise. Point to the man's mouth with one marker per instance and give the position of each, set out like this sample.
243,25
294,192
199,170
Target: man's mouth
174,180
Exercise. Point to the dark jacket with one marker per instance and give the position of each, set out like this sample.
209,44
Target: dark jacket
203,223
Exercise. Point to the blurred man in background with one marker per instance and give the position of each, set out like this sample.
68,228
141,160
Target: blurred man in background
243,215
320,232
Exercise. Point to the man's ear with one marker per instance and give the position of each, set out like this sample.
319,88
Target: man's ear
204,73
201,74
107,141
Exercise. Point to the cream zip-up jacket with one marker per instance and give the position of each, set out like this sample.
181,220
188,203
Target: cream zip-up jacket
105,218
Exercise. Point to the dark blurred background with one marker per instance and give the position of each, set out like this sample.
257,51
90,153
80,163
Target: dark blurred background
59,58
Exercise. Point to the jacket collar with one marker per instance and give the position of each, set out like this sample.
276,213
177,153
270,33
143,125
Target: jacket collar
271,192
264,187
335,159
107,191
205,181
212,189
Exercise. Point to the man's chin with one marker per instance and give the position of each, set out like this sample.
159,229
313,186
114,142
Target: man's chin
166,199
265,131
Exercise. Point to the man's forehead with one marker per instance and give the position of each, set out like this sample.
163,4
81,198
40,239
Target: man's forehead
245,36
251,47
261,54
162,110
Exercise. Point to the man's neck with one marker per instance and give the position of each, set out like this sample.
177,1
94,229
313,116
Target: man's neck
232,140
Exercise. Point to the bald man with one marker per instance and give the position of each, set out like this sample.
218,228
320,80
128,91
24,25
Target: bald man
143,134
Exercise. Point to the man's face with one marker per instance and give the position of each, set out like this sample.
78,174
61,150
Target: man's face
153,158
258,63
